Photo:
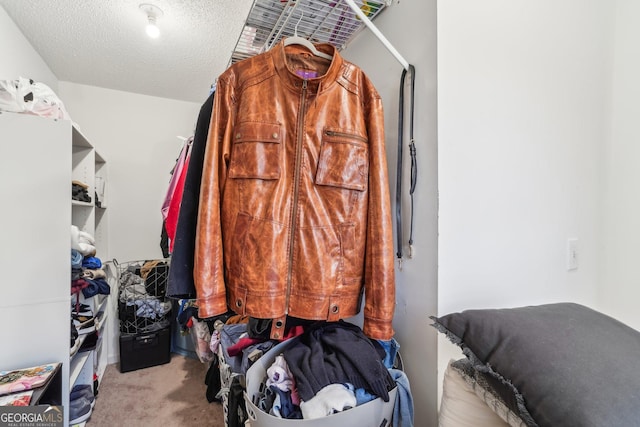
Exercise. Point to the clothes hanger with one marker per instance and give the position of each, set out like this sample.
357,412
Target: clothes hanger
295,39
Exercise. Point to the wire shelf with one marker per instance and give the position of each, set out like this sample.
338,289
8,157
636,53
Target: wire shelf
319,21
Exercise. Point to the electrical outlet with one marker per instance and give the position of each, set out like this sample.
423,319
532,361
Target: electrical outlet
572,254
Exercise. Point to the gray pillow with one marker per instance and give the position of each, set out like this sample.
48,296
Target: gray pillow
567,365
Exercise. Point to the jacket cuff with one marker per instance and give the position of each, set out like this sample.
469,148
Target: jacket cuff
211,306
378,329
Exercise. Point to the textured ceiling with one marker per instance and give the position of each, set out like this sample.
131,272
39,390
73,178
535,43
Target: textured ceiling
103,42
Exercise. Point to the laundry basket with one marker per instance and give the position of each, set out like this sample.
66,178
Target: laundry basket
145,327
376,413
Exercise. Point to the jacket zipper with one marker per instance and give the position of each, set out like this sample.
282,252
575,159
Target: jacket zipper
296,189
345,135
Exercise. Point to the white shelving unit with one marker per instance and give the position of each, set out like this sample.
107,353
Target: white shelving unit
103,321
39,157
80,372
35,159
90,168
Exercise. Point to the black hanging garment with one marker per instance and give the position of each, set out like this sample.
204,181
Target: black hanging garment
236,407
213,382
164,241
181,283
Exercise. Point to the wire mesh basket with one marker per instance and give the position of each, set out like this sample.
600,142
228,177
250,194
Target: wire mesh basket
142,306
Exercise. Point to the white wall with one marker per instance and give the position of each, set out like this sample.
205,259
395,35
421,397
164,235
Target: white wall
620,288
19,58
523,99
411,28
136,134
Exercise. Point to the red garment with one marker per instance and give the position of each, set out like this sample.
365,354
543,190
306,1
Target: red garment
294,332
243,343
175,173
171,223
76,287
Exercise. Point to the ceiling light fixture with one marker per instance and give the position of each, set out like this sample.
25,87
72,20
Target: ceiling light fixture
153,13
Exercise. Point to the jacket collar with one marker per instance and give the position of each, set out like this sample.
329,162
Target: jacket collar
293,80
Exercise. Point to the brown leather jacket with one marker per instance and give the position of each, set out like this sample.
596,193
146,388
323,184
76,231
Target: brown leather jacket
294,215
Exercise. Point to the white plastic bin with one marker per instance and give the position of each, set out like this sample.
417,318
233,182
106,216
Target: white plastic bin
376,413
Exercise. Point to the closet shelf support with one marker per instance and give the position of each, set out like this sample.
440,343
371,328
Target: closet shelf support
377,33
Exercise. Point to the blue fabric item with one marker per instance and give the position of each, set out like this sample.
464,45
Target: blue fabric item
391,348
92,262
79,410
96,286
230,335
76,259
362,396
283,406
403,409
150,308
82,390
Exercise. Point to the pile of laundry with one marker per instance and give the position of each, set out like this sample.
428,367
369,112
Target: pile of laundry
87,273
141,304
325,368
330,368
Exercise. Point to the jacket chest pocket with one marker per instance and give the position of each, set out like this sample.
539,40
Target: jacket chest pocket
343,160
256,151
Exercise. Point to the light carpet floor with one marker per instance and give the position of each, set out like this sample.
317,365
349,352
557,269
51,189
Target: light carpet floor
170,395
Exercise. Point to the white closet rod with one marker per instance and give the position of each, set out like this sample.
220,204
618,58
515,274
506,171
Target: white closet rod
378,34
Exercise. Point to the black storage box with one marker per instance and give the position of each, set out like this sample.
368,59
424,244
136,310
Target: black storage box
143,350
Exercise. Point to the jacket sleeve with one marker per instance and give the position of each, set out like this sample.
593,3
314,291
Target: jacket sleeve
379,267
208,258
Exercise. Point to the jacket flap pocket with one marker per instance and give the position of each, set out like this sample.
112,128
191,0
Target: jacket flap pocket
258,132
343,161
255,151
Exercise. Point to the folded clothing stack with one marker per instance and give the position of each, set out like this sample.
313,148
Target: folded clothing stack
83,242
79,191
